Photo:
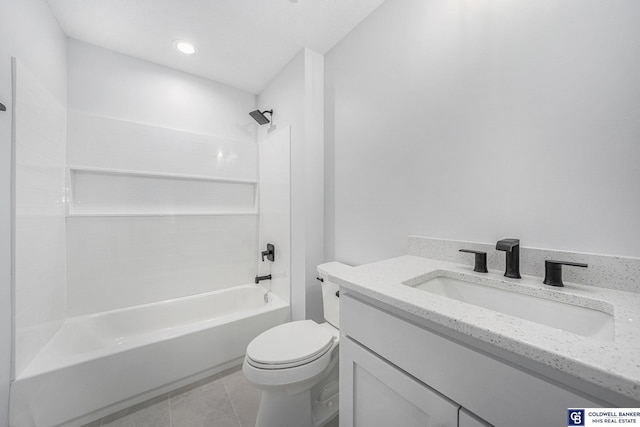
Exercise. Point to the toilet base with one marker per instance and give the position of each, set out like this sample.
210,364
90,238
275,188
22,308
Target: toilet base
325,408
280,409
311,408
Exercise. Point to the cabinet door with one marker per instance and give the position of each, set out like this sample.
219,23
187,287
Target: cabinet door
467,419
374,393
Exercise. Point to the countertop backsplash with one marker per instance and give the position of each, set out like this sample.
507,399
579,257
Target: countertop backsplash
606,271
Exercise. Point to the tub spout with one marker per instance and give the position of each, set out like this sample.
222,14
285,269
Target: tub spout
259,278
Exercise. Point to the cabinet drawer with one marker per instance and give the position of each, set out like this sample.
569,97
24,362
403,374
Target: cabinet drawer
496,391
376,393
467,419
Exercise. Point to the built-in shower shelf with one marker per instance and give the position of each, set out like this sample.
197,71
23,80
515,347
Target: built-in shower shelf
112,193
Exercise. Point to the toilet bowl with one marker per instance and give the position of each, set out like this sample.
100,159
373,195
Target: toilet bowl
296,367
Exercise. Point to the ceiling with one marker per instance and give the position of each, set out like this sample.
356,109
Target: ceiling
241,43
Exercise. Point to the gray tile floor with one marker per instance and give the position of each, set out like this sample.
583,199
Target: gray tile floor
223,400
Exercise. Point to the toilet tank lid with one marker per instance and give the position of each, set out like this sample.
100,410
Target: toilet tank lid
332,268
290,342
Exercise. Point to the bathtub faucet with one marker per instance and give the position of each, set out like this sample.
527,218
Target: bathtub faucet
259,278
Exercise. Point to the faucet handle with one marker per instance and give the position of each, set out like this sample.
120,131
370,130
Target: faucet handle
553,271
480,261
270,253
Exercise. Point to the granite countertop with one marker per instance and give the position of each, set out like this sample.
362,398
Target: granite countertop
613,365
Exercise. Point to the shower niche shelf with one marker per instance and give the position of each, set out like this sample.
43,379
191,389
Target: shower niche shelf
96,192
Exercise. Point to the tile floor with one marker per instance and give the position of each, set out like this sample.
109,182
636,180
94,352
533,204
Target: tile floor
222,400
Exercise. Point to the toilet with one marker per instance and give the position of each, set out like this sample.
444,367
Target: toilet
296,367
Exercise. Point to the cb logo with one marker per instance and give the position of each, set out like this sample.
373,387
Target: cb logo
575,417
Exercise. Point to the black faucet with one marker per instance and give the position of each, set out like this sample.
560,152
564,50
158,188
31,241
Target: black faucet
512,248
259,278
270,253
480,262
553,271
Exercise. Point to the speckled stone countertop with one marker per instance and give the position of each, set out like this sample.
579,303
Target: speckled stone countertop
613,365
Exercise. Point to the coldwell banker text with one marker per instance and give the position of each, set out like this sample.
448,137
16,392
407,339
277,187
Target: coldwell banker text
613,417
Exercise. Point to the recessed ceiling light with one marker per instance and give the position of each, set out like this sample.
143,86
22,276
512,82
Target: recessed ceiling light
185,47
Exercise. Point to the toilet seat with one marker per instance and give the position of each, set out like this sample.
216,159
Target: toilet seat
290,345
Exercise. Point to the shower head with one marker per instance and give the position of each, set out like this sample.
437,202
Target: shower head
260,116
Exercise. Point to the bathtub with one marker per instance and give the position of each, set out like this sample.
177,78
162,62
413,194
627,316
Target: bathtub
100,363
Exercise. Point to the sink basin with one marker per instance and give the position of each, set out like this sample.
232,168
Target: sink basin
568,317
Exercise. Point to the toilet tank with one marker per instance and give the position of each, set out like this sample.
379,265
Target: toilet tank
330,295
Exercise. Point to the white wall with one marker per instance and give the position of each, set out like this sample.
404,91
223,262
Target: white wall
482,120
296,96
108,84
275,210
285,96
128,114
40,305
6,208
29,32
100,142
314,180
122,261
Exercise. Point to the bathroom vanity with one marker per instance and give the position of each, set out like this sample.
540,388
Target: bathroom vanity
411,356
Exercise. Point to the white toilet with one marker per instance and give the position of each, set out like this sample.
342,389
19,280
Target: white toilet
296,367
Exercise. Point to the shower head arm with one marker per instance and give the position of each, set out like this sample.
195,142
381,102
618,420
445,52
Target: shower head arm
260,116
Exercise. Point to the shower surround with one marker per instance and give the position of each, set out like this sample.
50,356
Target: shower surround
154,204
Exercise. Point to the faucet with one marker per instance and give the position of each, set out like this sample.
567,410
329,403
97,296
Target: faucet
270,253
512,248
259,278
481,260
553,271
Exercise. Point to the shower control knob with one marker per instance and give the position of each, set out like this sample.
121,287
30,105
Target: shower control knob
270,253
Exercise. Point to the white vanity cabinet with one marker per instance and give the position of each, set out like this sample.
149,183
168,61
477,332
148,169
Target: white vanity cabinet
467,419
380,394
394,372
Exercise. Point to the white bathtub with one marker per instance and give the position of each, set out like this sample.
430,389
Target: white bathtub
100,363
